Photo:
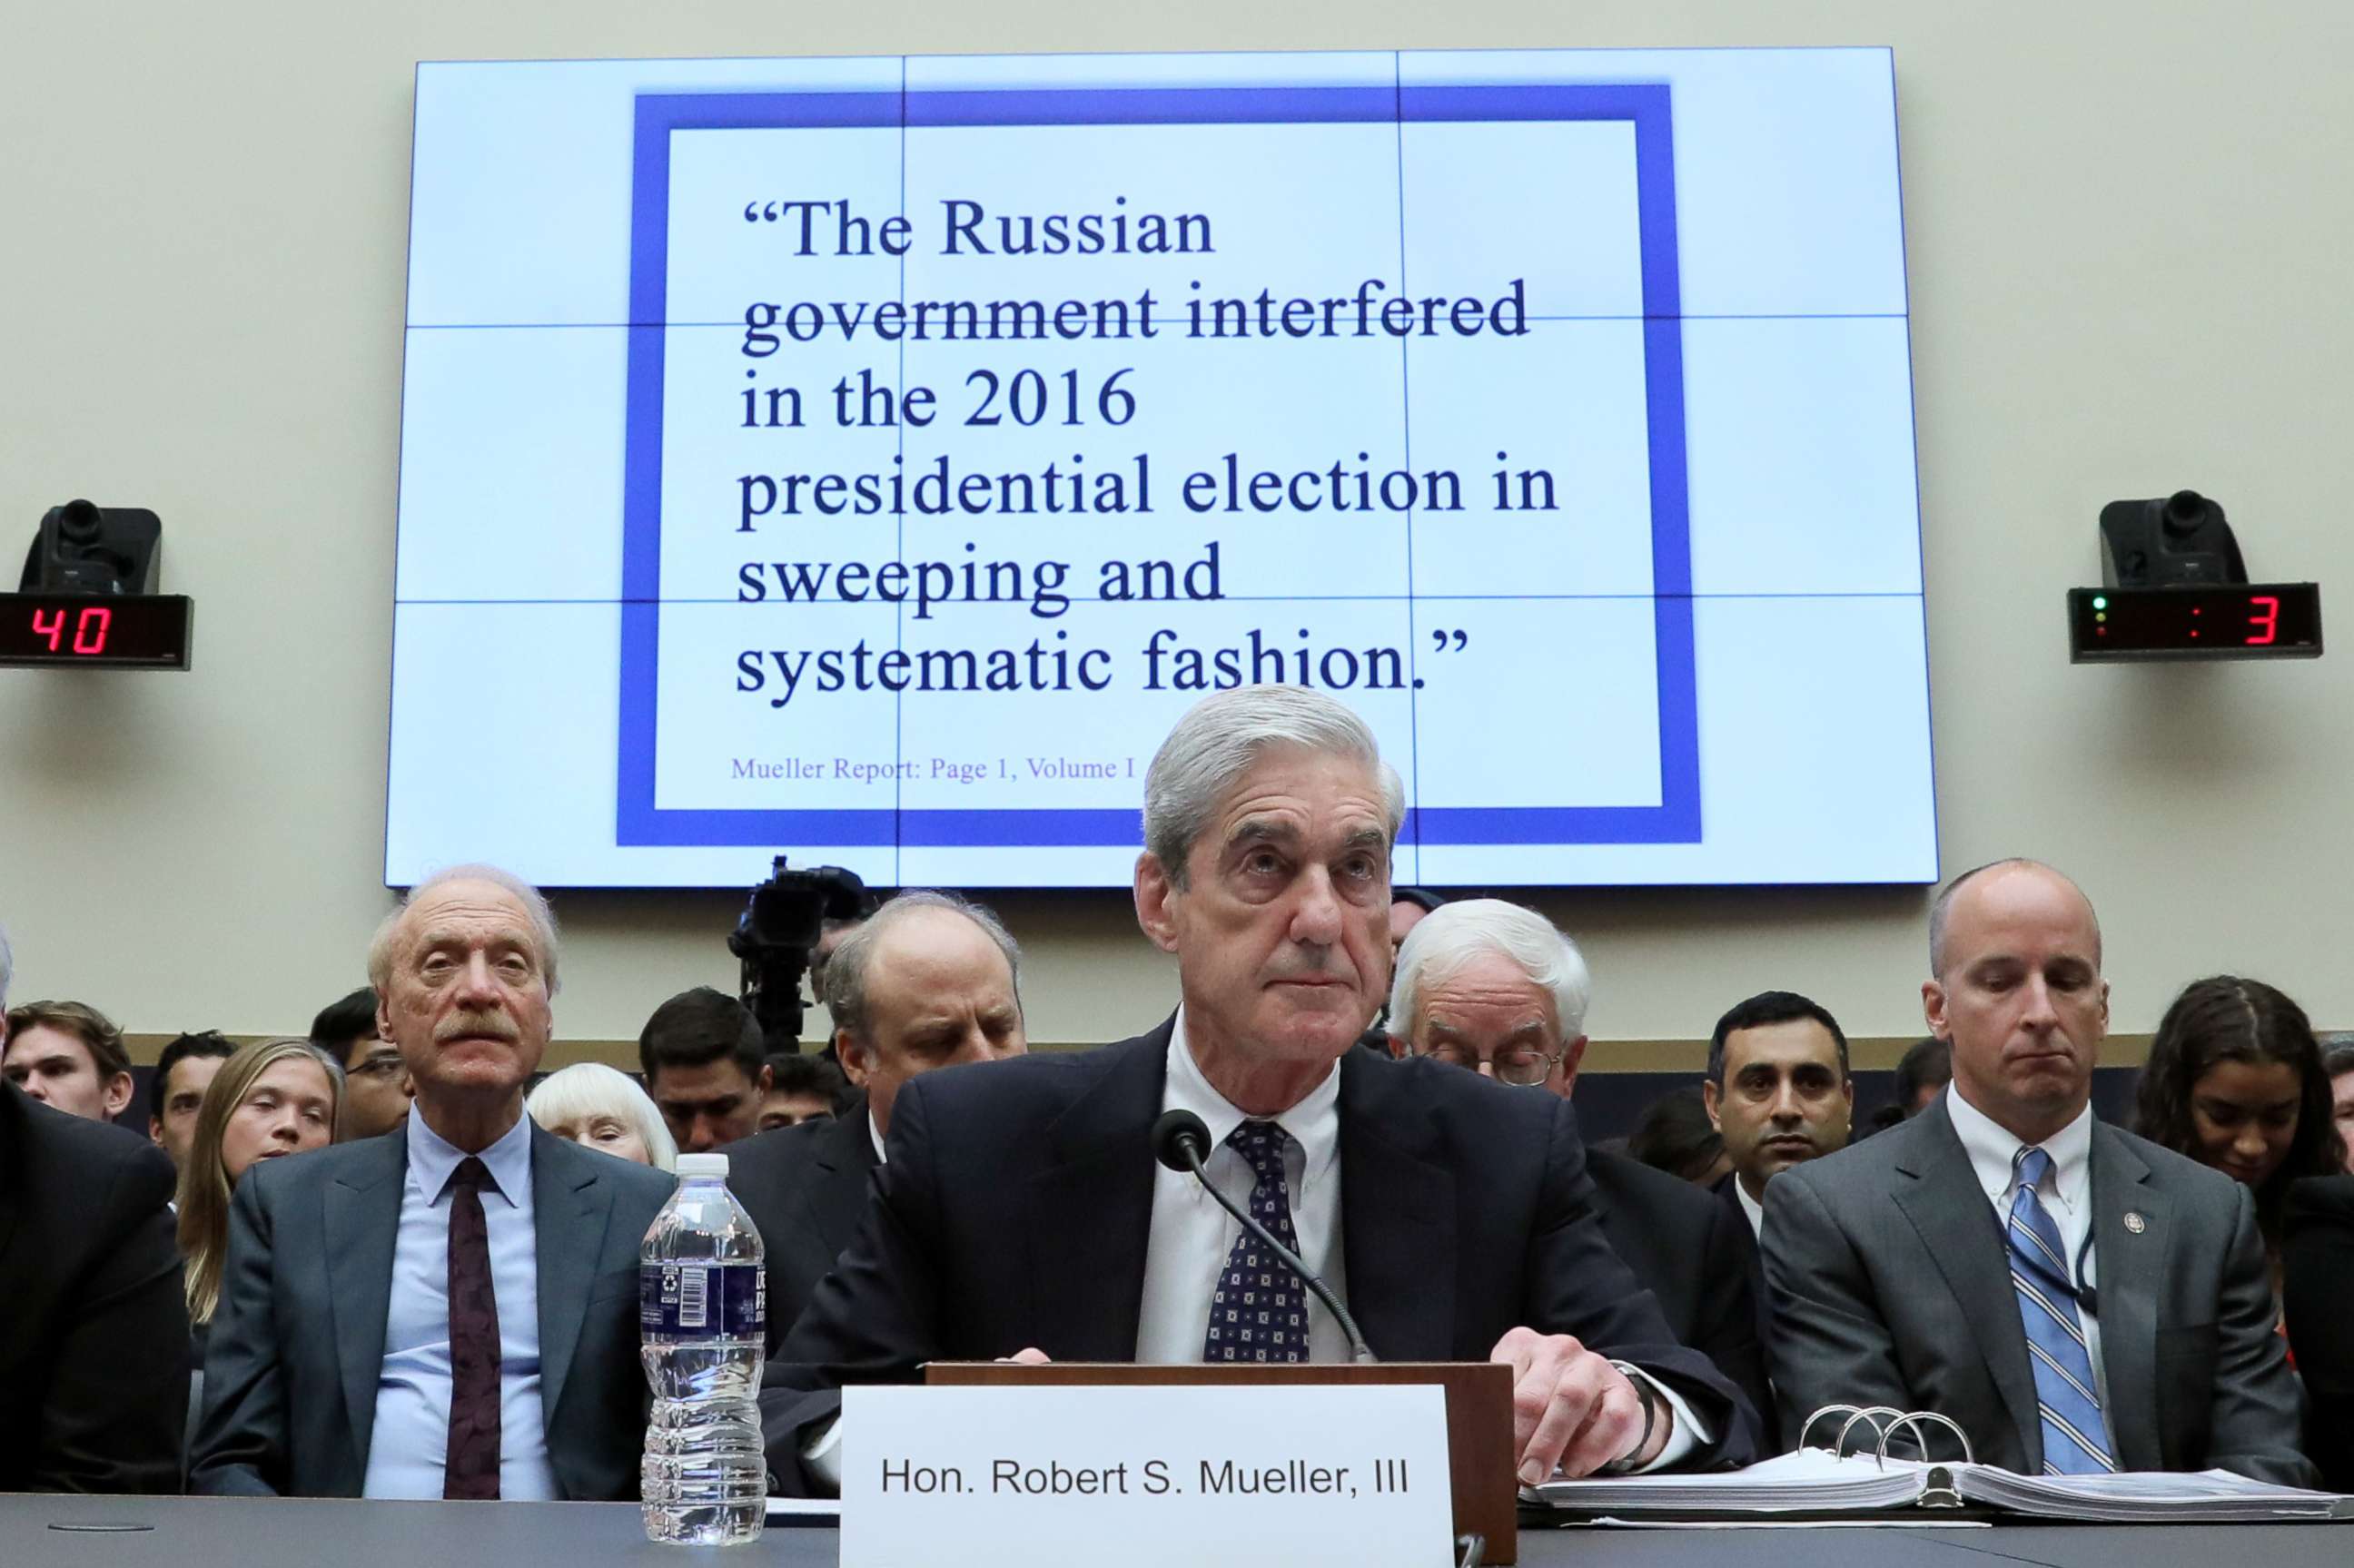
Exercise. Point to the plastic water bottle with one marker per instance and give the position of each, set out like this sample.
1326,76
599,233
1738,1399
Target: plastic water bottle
702,1327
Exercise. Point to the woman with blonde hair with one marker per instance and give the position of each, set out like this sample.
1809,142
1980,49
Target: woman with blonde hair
600,1108
272,1097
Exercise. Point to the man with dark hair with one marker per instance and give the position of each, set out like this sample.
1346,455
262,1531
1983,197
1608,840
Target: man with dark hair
1777,1089
707,1067
69,1055
377,1088
926,982
182,1073
2077,1299
800,1088
1927,1066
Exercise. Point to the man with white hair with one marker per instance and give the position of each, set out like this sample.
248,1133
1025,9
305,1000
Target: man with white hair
1021,1213
450,1310
1494,989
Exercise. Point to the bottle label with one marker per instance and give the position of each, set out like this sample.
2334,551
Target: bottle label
702,1301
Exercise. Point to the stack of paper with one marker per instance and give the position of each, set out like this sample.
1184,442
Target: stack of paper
2139,1496
1809,1479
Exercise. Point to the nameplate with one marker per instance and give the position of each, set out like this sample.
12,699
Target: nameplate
1148,1477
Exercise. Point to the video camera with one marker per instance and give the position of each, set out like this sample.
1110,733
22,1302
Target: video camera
777,933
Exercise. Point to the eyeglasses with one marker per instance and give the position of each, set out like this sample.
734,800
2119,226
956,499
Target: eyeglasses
1520,1067
378,1067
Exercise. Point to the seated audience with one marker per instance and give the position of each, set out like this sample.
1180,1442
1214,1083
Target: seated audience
377,1089
451,1311
597,1107
800,1088
2235,1081
68,1054
703,1063
928,981
2337,1061
269,1099
2078,1300
1492,988
93,1359
1675,1134
2317,1267
1778,1090
1925,1068
1022,1212
182,1074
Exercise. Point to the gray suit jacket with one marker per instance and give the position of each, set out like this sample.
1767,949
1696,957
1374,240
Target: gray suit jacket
1892,1286
298,1338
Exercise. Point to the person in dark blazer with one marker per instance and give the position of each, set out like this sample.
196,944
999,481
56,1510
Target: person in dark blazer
1491,987
1021,1211
930,981
2317,1279
450,1310
2077,1298
94,1330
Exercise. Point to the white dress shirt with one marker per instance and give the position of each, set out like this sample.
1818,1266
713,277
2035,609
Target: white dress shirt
1186,1247
2066,1195
406,1453
1751,1207
875,1132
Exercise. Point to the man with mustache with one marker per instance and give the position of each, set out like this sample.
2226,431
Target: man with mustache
449,1311
1021,1212
2077,1299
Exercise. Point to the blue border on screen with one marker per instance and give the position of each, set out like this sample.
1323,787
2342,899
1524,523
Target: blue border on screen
1676,820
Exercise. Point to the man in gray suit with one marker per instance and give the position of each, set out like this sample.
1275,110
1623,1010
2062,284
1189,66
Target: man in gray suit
450,1310
2078,1300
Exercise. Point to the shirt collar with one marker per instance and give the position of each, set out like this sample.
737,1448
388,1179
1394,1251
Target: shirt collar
1994,1150
1314,1123
1750,1206
875,1132
433,1159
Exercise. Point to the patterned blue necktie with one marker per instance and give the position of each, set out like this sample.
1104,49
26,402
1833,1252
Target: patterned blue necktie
2075,1438
1260,1310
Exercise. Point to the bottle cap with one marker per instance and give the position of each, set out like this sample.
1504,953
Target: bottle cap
693,1165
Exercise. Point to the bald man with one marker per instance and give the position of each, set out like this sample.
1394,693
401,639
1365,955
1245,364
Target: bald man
2077,1299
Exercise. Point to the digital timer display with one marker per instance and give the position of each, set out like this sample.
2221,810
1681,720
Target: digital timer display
2252,621
132,631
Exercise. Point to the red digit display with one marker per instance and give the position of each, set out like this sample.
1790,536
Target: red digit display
89,630
116,631
2264,619
51,626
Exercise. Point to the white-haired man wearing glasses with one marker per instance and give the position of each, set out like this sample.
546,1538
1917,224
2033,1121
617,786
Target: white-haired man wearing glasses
1494,989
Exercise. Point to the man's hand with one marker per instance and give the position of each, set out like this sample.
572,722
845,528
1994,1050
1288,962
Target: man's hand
1572,1409
1028,1356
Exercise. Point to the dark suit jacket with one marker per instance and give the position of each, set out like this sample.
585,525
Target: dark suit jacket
1892,1286
1695,1260
93,1325
806,1189
298,1340
2318,1265
1015,1208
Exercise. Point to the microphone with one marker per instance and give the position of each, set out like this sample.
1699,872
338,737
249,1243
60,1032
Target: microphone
1181,1140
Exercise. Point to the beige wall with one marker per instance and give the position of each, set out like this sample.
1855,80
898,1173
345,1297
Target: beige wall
2129,230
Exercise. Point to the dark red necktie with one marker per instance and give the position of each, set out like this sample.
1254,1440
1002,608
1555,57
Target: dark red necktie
471,1466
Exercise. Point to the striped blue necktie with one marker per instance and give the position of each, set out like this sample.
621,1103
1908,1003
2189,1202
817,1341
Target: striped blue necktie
2075,1438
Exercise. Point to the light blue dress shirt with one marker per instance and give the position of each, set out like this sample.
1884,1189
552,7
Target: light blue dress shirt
406,1453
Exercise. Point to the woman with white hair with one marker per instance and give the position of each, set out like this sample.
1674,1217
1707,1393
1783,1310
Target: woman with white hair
596,1107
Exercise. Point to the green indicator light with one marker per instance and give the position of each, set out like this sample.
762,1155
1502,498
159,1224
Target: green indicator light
2100,604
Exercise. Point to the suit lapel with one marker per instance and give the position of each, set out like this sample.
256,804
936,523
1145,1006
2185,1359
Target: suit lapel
2132,1262
571,1207
1938,1190
846,1163
1397,1198
1094,1203
361,1215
